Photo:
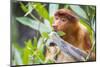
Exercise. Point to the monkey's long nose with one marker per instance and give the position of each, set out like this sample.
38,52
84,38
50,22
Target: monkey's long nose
54,27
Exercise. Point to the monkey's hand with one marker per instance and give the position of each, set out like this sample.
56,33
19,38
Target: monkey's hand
67,48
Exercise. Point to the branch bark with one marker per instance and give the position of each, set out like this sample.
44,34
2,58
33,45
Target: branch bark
67,48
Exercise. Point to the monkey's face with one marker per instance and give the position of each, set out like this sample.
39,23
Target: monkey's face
61,23
65,20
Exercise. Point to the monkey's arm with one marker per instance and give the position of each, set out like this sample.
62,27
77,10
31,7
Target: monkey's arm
67,48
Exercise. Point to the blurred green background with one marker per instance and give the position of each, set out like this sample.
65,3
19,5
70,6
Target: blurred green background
31,22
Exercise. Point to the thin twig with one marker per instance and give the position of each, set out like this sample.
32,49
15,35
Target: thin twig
87,58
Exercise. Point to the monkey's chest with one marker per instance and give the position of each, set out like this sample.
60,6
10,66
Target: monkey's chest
72,40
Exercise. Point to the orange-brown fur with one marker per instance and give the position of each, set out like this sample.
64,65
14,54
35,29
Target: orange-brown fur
65,20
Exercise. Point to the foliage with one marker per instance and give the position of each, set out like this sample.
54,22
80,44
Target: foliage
32,53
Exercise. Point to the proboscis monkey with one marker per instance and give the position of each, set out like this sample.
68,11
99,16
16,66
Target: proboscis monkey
76,34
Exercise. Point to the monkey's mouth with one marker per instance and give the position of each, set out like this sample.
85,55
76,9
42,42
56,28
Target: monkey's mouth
55,29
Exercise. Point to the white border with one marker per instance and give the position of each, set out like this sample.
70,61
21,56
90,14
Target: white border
86,2
5,33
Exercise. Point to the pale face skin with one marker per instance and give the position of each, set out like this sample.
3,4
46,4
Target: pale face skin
59,23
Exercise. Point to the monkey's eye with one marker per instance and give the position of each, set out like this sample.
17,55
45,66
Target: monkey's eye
63,20
56,18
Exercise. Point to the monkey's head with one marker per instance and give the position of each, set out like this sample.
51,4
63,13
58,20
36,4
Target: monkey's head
64,20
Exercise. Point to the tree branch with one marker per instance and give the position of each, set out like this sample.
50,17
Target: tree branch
67,48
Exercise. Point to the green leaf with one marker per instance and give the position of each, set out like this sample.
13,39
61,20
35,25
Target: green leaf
29,45
45,35
51,20
33,24
35,43
60,33
48,23
29,9
41,55
25,9
78,10
86,25
41,10
26,56
27,52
